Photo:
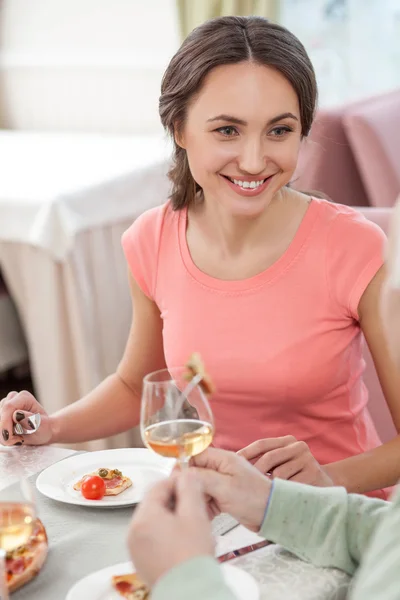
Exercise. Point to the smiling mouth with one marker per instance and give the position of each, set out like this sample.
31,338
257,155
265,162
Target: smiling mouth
247,185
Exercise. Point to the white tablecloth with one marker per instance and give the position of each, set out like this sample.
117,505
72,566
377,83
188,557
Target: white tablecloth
54,185
65,200
280,575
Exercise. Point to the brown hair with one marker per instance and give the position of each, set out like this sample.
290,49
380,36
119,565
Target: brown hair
222,41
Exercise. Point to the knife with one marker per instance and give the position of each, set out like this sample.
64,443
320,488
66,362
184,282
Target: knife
242,551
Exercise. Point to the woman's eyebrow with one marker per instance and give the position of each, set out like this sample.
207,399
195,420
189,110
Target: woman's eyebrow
236,121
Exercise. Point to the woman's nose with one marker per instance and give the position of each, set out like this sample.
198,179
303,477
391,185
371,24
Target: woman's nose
251,158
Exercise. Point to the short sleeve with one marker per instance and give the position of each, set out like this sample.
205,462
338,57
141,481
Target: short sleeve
141,243
355,253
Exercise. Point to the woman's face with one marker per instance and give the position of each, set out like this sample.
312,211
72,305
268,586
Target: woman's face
242,136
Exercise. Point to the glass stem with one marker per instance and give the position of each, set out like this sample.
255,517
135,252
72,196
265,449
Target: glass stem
3,576
183,460
184,463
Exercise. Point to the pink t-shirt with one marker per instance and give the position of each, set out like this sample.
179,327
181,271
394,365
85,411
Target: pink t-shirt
284,348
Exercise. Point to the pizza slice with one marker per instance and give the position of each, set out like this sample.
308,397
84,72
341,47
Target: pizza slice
25,562
195,367
115,481
130,587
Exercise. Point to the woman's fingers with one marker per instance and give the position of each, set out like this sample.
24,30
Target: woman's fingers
260,447
275,458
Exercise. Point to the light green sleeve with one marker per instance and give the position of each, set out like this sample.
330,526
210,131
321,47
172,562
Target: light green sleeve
379,574
324,526
196,579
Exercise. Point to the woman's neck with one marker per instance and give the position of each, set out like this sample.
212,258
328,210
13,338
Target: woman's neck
233,234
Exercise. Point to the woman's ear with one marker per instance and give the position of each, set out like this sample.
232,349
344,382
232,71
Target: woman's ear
179,137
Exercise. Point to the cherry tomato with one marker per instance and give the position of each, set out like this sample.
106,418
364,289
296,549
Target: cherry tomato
93,487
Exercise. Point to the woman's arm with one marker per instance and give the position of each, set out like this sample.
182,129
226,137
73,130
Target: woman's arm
379,467
114,405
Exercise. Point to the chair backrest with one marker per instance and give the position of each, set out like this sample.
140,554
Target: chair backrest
372,127
377,404
326,162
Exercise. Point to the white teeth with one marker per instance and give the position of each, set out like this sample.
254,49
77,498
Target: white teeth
248,184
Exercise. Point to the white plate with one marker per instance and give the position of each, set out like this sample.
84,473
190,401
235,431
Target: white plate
97,586
142,466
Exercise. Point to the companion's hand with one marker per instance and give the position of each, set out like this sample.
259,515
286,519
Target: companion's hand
233,486
170,526
15,408
286,458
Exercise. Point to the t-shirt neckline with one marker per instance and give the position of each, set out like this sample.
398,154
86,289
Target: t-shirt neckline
256,280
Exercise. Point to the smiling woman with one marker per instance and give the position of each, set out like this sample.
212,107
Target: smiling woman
244,67
237,146
274,288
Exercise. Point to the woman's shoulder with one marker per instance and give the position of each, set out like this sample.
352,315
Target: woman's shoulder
354,250
346,222
147,228
141,244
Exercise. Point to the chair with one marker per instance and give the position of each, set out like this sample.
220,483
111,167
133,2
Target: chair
352,153
326,162
372,128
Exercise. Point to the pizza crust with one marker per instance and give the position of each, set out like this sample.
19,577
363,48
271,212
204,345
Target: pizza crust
125,483
121,487
32,570
35,551
138,591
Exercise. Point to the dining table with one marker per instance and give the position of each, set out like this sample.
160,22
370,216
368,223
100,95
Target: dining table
85,539
65,200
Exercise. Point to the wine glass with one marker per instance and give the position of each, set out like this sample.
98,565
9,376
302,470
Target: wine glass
17,520
176,419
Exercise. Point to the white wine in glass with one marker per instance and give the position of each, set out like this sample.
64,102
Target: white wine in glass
172,424
16,524
17,520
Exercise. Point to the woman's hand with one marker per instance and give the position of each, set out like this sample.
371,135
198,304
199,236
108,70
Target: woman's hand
170,526
233,485
15,408
286,458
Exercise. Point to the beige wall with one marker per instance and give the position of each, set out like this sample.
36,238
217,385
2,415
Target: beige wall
85,65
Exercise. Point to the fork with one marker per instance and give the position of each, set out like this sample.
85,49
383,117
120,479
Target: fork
33,422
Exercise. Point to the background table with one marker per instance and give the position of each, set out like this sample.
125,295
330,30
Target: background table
279,574
65,201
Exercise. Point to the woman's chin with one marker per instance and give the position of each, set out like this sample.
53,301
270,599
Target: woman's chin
242,207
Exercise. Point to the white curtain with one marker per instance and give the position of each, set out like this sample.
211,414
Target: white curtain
354,44
192,13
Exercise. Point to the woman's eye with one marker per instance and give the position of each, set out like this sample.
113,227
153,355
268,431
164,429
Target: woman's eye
280,131
227,131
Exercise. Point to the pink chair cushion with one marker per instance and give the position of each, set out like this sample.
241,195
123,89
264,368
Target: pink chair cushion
373,130
377,404
326,163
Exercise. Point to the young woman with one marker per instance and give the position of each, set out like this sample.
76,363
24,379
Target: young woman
273,287
330,529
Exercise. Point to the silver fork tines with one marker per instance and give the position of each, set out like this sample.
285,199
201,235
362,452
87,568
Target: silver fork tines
34,424
18,429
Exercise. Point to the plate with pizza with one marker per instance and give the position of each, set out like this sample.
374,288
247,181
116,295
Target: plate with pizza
25,563
120,582
104,479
